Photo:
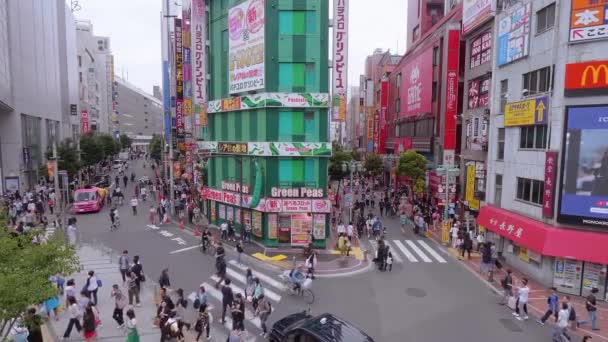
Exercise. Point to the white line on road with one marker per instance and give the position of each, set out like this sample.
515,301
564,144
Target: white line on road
418,251
396,256
266,279
241,278
184,249
432,252
404,250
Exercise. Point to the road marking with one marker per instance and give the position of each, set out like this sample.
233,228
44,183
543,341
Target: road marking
404,250
396,256
418,251
184,249
269,280
432,252
241,278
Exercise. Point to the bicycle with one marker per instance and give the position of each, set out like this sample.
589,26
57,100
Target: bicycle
208,247
115,225
303,291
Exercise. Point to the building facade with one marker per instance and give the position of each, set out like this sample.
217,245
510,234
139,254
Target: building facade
37,92
352,120
268,133
138,113
546,190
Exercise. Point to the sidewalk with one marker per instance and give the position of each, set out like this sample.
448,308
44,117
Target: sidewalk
538,294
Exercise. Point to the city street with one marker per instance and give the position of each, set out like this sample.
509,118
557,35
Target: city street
428,296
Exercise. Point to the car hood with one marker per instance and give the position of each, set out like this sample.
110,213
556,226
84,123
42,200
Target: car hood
292,320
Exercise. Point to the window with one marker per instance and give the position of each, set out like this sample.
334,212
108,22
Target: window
498,191
500,152
479,90
79,60
481,49
530,190
297,22
398,83
296,126
435,55
504,95
533,137
398,105
416,33
296,76
80,77
537,81
545,18
434,92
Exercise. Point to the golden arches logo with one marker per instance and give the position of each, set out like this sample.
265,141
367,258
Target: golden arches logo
595,74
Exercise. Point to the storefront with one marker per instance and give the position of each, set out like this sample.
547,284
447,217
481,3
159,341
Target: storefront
573,261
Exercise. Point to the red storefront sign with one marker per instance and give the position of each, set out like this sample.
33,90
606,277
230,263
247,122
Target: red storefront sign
383,118
548,194
451,92
296,206
84,121
587,77
417,79
402,145
179,118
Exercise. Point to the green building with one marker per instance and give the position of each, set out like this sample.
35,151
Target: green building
267,116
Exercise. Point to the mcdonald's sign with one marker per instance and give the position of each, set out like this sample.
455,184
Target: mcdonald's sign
587,78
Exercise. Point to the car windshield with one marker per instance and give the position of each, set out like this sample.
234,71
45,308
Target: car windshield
85,196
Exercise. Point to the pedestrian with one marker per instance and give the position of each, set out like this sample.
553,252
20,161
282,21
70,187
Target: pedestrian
467,246
70,291
342,245
132,333
202,323
227,298
163,280
247,234
591,306
341,229
263,310
480,239
134,204
350,231
507,287
170,328
311,263
381,207
249,285
92,285
201,297
33,322
231,232
571,313
258,292
486,261
239,252
120,301
522,300
152,214
139,271
237,309
74,311
453,235
389,261
553,307
71,232
181,304
368,226
561,326
89,323
124,263
133,289
224,230
84,300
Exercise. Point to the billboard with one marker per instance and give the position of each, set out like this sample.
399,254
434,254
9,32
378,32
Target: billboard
549,190
474,13
587,78
340,60
417,84
246,27
84,121
588,20
514,35
527,112
451,97
584,194
199,61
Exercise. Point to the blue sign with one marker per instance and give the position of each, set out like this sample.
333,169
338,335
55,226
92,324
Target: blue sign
514,35
370,146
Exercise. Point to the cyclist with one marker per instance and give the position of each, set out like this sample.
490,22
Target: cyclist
297,277
114,217
205,239
118,194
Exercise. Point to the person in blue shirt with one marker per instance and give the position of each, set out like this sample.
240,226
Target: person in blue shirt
297,277
552,302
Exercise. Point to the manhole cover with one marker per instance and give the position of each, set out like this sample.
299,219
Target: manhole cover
510,325
414,292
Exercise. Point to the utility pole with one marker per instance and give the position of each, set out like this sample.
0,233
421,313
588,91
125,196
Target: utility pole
169,139
447,170
58,197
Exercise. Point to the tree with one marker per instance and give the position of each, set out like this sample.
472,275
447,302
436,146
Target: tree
336,146
68,157
419,186
125,141
108,145
156,147
356,155
25,270
335,164
91,150
374,164
413,165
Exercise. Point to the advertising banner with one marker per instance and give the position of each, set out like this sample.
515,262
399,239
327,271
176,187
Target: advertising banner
199,61
587,78
296,206
567,275
383,116
470,191
301,225
417,84
550,172
588,20
256,228
514,35
474,13
584,195
527,112
273,227
179,66
290,149
271,100
84,121
451,94
340,60
179,119
318,226
246,28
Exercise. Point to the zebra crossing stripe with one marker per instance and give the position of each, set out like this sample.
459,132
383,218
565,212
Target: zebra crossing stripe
418,251
241,278
396,256
264,278
215,293
404,250
431,251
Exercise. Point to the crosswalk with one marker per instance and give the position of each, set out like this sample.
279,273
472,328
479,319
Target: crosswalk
273,289
413,251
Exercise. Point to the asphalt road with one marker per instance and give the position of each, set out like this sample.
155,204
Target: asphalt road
418,301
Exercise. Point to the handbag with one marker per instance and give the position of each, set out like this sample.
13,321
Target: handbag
99,283
512,302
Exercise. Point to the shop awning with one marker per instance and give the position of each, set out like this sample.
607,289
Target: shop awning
545,239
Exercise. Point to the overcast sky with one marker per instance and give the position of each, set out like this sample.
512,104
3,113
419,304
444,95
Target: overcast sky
134,29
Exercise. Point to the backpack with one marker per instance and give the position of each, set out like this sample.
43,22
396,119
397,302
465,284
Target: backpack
572,315
184,303
168,331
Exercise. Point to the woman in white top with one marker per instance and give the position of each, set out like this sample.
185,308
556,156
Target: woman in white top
522,299
92,287
561,326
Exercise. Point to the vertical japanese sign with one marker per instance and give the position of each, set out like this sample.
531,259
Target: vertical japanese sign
340,60
383,114
451,97
588,20
550,170
179,81
246,27
186,67
470,191
199,62
84,121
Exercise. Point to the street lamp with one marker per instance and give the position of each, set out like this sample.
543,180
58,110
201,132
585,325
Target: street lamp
351,166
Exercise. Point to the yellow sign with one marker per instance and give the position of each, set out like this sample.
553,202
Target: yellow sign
527,112
445,231
481,228
470,182
523,254
187,107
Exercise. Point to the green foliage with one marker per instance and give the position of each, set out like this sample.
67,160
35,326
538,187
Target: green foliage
336,162
373,164
43,171
420,186
108,145
68,157
125,141
356,155
25,270
156,147
91,150
336,147
412,164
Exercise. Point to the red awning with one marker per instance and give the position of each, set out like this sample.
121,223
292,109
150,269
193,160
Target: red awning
545,239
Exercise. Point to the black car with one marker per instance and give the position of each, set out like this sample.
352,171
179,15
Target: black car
101,181
323,328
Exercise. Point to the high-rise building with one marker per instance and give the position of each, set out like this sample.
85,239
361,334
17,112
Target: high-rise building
268,132
138,113
422,15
